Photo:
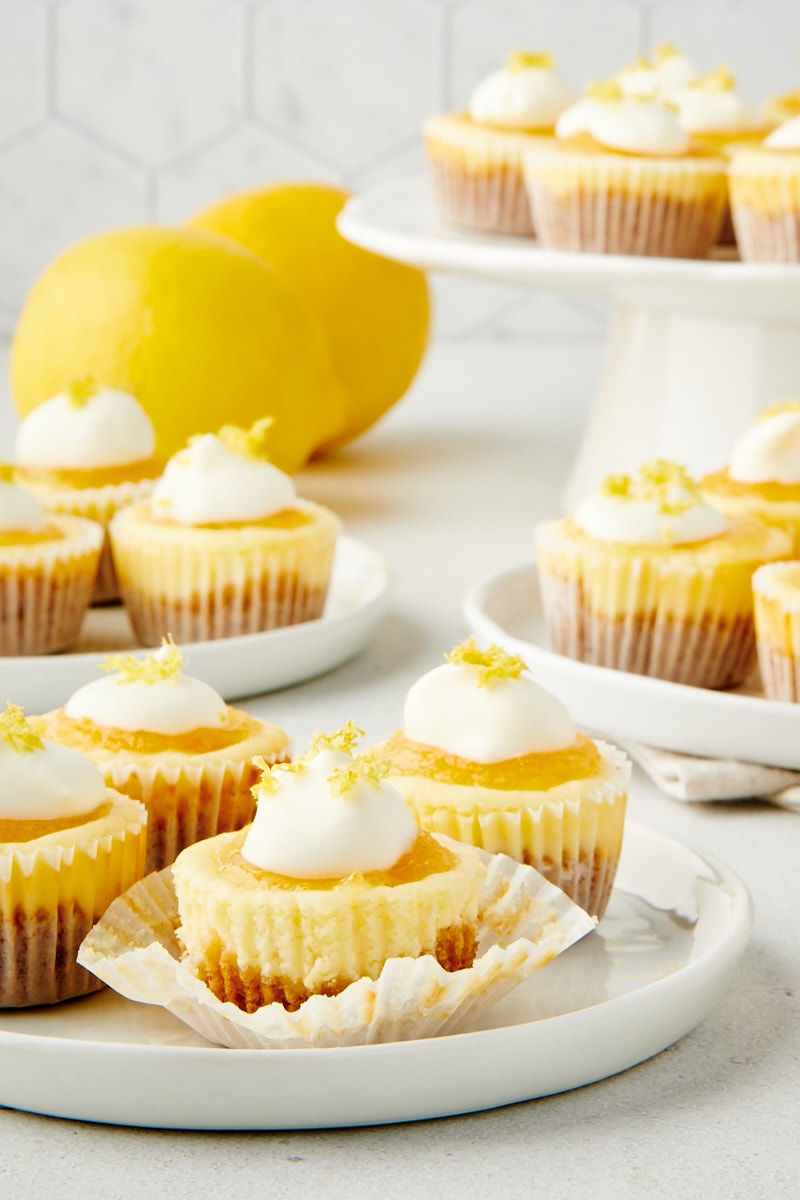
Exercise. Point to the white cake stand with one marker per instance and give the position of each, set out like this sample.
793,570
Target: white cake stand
696,348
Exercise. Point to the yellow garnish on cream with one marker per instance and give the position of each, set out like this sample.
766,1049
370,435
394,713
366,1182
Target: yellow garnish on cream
720,80
666,50
81,390
491,665
605,90
252,442
525,60
6,473
780,406
272,775
161,666
366,766
15,730
344,740
666,484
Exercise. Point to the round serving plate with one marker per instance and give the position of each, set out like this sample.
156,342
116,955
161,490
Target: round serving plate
695,348
663,956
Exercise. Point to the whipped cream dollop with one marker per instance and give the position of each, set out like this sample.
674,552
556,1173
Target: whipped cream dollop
43,781
20,512
528,93
770,451
712,104
619,123
661,507
85,429
210,483
329,815
660,76
786,136
150,695
484,706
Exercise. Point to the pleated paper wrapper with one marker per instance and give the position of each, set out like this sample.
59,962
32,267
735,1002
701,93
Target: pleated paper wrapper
525,923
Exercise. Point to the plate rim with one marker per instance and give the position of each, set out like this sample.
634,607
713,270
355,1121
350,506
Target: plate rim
716,963
483,624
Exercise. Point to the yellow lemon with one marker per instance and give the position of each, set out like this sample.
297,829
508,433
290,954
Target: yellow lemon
375,313
200,330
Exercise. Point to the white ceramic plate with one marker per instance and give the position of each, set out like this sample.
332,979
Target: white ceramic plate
236,667
506,608
660,961
399,219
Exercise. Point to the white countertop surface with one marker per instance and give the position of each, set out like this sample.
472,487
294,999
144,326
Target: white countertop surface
449,487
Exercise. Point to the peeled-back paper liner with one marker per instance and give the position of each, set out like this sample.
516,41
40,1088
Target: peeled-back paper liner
608,203
525,922
585,814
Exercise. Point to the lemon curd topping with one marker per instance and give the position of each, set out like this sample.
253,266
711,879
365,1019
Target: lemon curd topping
27,537
426,857
531,772
25,830
86,736
720,481
91,477
287,518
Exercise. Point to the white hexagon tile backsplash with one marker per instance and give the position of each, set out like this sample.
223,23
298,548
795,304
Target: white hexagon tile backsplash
120,111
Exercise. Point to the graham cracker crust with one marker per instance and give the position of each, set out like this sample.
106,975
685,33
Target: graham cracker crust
37,957
767,239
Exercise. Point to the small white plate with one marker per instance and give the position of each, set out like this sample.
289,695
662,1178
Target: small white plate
237,667
506,608
661,959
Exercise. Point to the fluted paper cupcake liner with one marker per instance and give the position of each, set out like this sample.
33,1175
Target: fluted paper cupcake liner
683,620
610,204
174,582
777,622
96,504
50,896
525,923
765,206
45,588
187,802
573,840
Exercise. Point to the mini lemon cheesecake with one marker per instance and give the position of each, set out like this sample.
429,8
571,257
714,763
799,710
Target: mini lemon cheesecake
331,880
776,593
490,758
224,546
476,156
88,452
169,740
48,564
648,577
762,478
764,186
68,847
622,177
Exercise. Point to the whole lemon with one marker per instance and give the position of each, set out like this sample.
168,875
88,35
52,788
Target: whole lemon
375,312
200,330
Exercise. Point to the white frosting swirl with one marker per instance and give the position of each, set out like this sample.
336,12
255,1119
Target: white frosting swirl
20,512
786,136
108,429
170,706
714,110
521,99
643,523
207,483
305,831
661,77
485,722
769,452
47,784
633,126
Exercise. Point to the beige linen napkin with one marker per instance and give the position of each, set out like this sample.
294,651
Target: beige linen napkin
688,778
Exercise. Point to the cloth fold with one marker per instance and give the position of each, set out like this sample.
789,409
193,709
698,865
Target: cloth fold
688,778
